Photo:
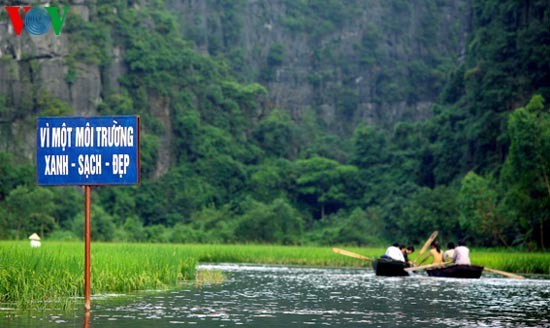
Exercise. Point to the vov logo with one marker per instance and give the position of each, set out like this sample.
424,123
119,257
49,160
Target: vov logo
37,20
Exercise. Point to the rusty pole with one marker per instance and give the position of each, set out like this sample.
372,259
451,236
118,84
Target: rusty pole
87,238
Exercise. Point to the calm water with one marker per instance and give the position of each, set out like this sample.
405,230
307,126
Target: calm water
276,296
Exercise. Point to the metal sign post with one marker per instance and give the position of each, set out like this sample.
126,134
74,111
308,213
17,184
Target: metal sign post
87,250
87,151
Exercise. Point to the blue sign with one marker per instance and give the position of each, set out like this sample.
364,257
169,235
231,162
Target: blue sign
100,150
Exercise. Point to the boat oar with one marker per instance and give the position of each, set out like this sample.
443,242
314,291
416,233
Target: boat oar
428,242
350,254
504,273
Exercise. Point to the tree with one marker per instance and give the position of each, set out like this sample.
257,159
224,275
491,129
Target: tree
525,173
528,160
479,212
426,210
102,224
277,222
277,134
132,231
270,180
325,184
360,228
370,147
29,210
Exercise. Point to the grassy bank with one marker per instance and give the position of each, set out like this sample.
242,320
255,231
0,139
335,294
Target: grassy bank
54,273
34,278
518,262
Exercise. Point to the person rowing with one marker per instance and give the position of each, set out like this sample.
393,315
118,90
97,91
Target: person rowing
435,253
449,254
395,253
462,254
406,252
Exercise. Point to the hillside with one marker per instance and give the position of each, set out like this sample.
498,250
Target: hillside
292,122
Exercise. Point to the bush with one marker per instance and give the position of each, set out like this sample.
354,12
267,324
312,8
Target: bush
277,222
63,235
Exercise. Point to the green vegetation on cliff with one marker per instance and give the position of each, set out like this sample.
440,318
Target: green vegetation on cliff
220,164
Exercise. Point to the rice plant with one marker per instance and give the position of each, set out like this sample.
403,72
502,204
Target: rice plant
54,273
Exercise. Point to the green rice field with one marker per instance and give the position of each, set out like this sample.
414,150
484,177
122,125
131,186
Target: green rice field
53,274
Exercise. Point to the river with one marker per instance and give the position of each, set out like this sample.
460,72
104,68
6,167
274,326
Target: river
287,296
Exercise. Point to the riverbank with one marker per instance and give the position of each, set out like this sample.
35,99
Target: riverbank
33,278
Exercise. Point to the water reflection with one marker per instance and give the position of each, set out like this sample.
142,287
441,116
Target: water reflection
278,296
87,318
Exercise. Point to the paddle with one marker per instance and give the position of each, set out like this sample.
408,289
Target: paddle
428,242
430,266
350,254
504,273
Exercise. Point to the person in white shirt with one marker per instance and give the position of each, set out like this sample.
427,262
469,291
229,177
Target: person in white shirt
449,254
395,253
462,254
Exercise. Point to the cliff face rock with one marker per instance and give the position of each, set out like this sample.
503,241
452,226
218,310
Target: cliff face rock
33,65
381,61
344,61
30,61
378,61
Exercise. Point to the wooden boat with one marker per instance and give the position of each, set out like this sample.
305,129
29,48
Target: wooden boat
389,268
456,271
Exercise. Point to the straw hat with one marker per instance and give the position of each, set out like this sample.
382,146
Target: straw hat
34,236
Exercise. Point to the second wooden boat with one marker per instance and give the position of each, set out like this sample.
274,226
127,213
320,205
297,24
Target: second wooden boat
457,271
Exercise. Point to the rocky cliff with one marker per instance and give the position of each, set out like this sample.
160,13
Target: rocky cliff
36,69
31,65
349,61
344,61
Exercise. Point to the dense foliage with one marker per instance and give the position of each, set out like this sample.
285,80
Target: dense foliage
478,169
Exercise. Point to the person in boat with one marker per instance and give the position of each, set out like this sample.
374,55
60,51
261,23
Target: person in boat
406,252
462,254
395,253
435,252
449,254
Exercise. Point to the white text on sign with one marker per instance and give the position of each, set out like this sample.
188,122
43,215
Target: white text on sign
62,137
120,163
